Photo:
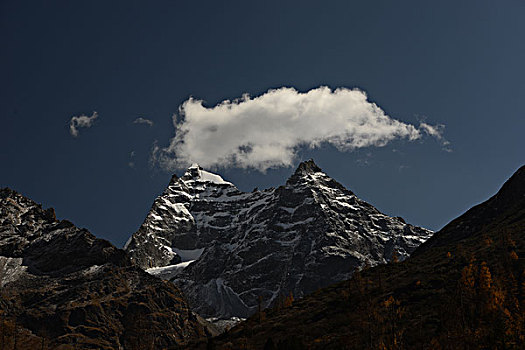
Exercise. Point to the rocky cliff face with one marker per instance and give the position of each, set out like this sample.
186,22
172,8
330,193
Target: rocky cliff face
60,285
226,248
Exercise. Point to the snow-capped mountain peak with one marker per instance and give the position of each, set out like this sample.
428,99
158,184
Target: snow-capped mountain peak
304,235
196,174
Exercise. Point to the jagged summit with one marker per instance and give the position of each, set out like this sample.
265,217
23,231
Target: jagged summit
311,175
306,170
307,167
196,173
22,204
26,230
225,247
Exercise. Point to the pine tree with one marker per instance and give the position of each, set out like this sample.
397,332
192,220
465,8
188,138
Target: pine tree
259,308
289,300
270,345
395,257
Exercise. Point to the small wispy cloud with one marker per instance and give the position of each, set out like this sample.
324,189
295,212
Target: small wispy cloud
436,131
365,159
141,120
268,130
82,121
403,167
131,162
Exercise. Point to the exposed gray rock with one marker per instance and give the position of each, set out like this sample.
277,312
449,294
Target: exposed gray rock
296,238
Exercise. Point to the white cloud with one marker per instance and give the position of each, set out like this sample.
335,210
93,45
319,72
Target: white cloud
82,121
141,120
266,131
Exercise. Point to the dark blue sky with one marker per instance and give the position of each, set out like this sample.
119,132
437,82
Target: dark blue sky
458,63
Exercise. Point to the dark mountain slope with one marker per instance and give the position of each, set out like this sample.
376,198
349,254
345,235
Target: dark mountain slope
465,290
509,199
60,287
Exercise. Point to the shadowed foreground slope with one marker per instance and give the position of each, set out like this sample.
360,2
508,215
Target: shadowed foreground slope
464,289
60,287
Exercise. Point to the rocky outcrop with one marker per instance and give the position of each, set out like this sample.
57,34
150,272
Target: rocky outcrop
62,287
226,248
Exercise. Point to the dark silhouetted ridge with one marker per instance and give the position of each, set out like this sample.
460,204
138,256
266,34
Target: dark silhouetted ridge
510,197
